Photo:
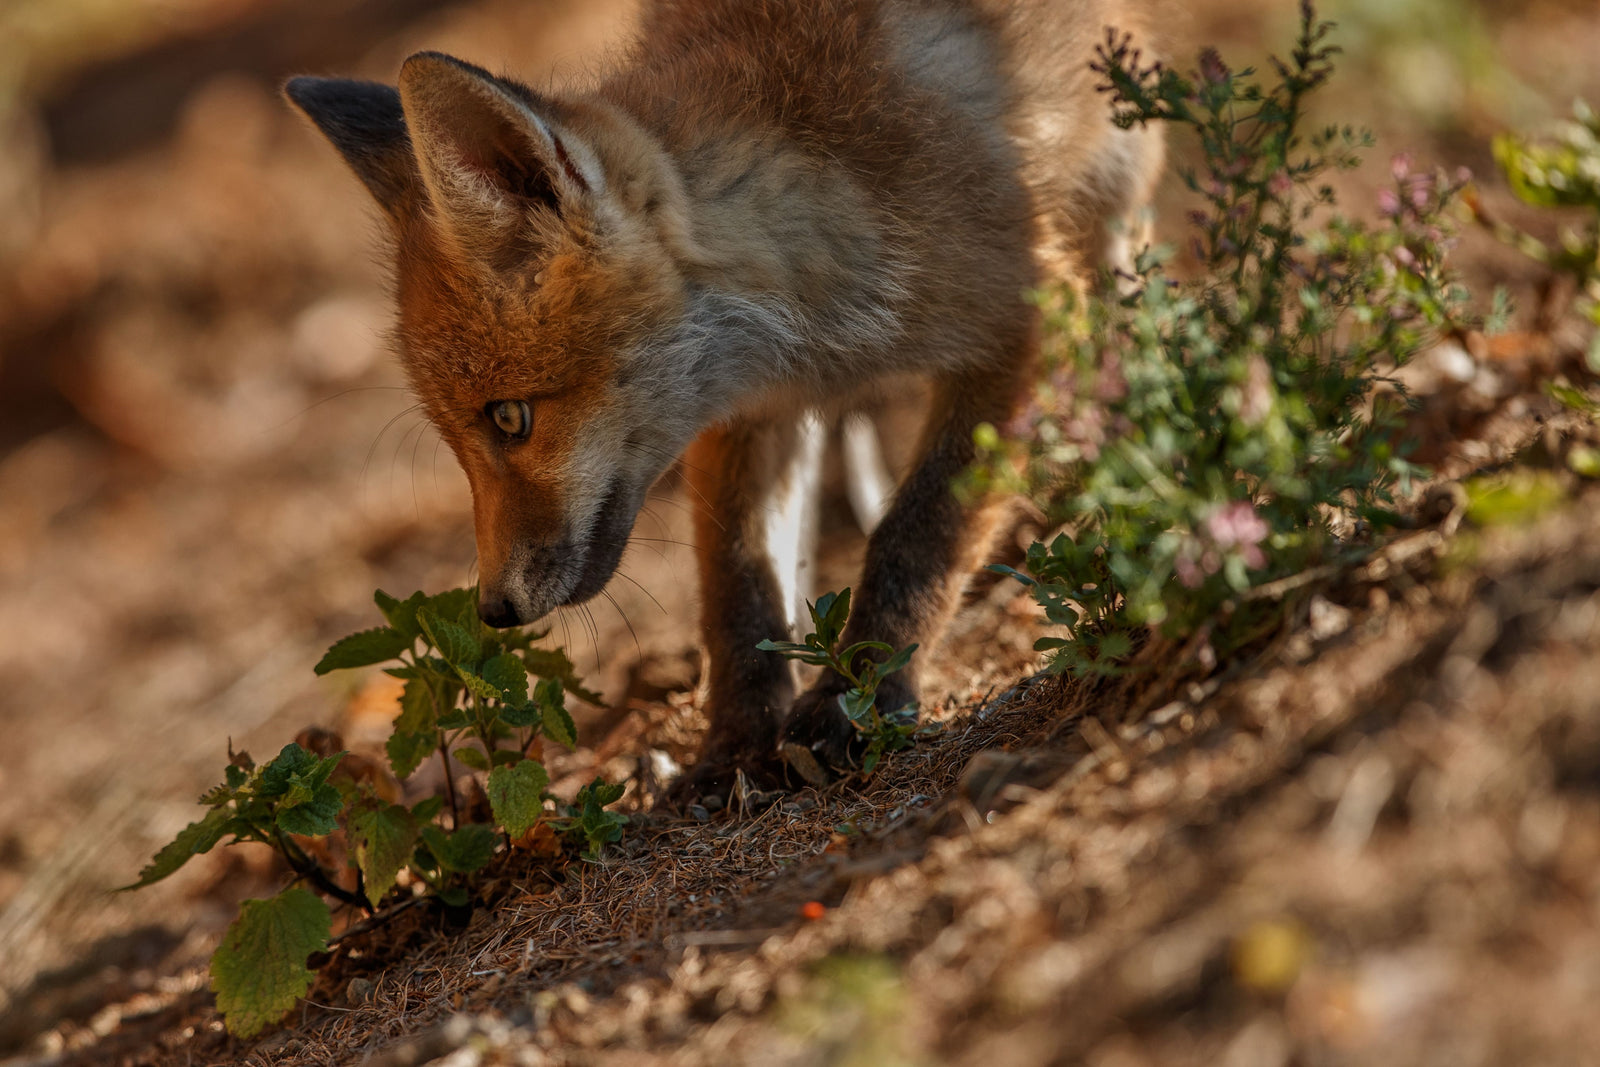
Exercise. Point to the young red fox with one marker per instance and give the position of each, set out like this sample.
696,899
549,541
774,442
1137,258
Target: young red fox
768,206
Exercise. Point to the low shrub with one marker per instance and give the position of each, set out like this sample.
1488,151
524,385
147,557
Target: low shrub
1200,436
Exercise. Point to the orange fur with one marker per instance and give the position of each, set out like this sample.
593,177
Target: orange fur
767,206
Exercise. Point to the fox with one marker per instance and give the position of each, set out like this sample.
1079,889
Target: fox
755,215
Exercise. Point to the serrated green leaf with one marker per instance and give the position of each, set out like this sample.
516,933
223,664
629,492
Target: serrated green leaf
599,827
259,971
298,781
455,645
288,768
363,649
460,606
455,719
509,675
325,768
601,792
198,837
426,808
315,816
558,725
472,757
417,711
516,794
476,685
401,614
299,792
464,850
436,668
218,794
382,837
553,663
553,717
505,757
519,715
407,751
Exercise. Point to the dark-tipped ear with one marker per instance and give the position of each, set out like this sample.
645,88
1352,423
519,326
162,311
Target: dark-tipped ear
366,124
490,151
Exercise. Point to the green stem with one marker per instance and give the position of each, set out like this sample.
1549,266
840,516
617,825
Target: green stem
449,782
482,725
311,870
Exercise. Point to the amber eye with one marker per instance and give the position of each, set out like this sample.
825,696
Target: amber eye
512,416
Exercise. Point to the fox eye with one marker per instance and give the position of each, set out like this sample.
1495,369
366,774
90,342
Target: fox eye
512,416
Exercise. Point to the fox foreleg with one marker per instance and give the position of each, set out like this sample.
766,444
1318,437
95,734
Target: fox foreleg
754,484
917,561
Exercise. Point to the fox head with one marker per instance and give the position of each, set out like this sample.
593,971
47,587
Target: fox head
540,252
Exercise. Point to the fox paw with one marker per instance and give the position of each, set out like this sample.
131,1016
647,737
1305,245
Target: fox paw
714,782
818,742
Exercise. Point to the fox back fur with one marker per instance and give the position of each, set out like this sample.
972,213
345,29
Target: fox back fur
766,207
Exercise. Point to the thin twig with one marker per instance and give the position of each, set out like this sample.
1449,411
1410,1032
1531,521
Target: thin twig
377,919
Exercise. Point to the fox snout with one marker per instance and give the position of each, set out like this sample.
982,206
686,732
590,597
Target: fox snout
523,580
526,587
497,611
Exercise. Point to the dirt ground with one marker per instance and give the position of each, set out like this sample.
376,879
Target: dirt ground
1375,839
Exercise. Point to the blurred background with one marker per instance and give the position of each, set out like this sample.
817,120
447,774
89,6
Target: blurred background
207,461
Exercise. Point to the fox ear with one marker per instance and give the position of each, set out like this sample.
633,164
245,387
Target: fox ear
490,152
365,123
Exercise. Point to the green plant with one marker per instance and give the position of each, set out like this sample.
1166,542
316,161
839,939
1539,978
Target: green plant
587,816
466,697
884,731
1562,171
1201,436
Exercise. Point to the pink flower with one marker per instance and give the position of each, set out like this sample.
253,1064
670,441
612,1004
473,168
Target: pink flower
1388,203
1421,188
1280,184
1188,572
1237,525
1400,166
1212,69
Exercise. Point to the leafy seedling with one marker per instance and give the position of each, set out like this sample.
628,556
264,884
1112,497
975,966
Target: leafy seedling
884,731
467,698
588,820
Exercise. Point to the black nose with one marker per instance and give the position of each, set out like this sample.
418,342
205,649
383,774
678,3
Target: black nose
498,613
